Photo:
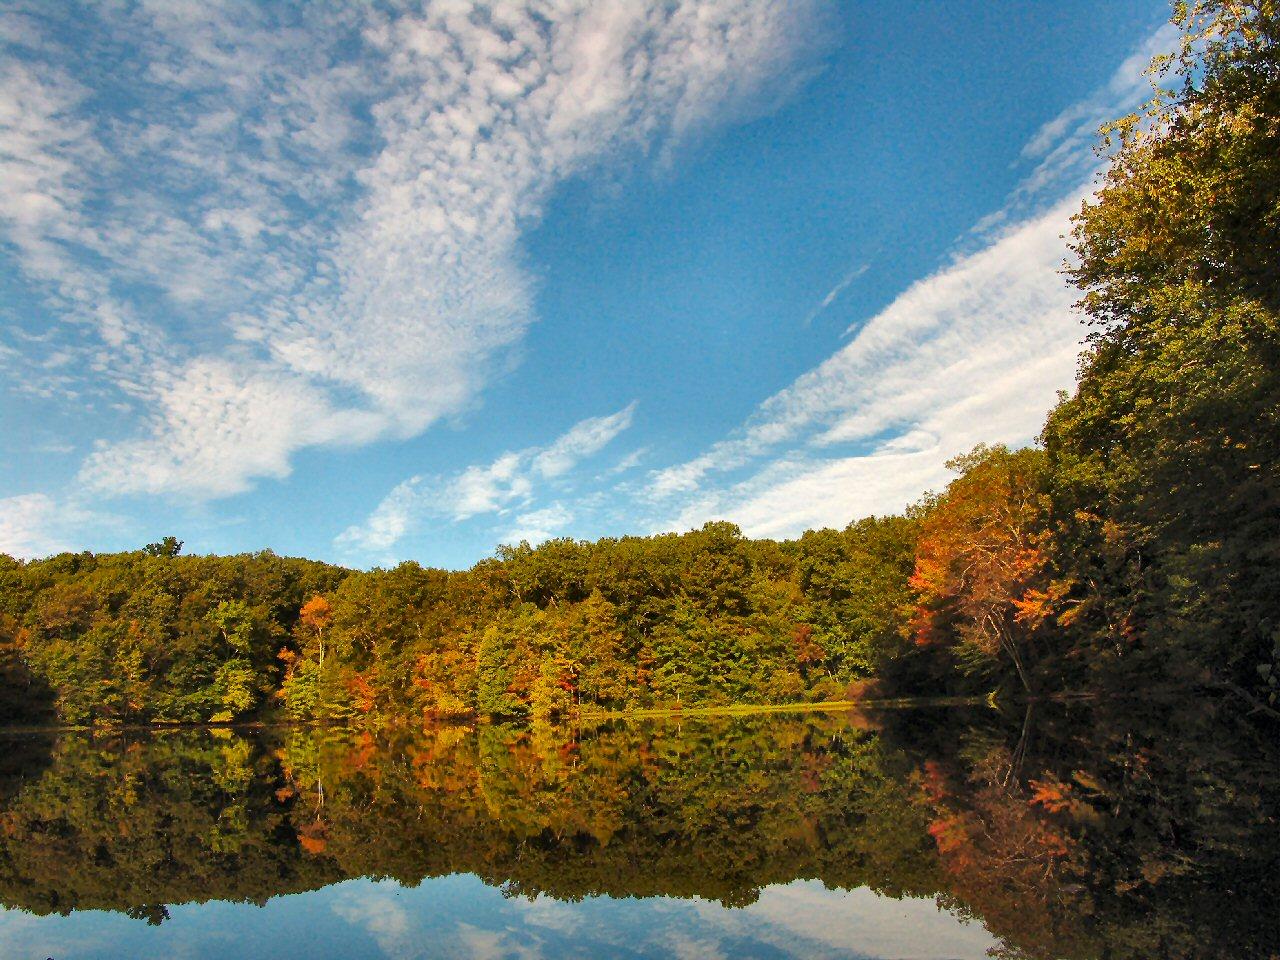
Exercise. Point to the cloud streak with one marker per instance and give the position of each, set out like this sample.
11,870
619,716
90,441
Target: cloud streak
975,352
834,293
511,481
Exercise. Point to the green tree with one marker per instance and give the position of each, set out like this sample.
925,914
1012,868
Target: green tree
168,547
598,646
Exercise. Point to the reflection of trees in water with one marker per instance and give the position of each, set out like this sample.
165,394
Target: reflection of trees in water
1063,833
1113,832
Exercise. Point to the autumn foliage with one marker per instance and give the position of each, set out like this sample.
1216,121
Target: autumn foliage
980,568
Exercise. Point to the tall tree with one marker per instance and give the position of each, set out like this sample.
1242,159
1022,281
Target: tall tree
1166,461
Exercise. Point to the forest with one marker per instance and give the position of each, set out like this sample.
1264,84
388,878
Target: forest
1135,548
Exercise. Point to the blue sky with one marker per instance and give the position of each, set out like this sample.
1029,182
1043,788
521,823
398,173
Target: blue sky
372,284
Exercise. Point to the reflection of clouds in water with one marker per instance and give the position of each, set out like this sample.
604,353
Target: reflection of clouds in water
494,945
406,926
804,917
85,933
551,914
460,918
22,935
687,948
377,908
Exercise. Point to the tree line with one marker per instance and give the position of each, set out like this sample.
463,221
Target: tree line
1137,545
540,633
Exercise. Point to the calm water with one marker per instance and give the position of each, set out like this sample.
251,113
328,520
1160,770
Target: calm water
902,834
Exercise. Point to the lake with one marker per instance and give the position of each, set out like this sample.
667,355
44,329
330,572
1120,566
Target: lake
1090,831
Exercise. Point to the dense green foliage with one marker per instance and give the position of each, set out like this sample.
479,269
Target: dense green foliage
149,635
1166,463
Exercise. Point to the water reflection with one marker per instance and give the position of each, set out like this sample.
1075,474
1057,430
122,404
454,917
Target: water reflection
1057,834
460,916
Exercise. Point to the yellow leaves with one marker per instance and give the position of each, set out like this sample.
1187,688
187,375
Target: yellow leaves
1070,614
1087,781
1033,607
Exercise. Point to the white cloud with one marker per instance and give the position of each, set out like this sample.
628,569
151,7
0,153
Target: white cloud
510,481
974,353
1062,150
487,489
219,424
834,293
1077,125
303,226
628,462
36,525
586,438
24,526
539,525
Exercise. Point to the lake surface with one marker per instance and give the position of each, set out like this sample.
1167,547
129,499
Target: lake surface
943,833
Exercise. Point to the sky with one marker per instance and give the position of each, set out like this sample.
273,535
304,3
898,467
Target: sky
373,283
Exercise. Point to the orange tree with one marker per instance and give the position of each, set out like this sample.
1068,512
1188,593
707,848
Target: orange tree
980,562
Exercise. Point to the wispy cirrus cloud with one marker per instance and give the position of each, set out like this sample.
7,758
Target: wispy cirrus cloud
539,525
834,293
585,438
281,226
1061,151
975,352
511,481
25,523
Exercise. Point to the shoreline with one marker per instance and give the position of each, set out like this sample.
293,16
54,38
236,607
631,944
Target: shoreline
822,706
645,713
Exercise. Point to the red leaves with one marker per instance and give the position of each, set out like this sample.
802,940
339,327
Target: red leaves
364,694
807,650
1051,794
950,834
313,837
980,562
